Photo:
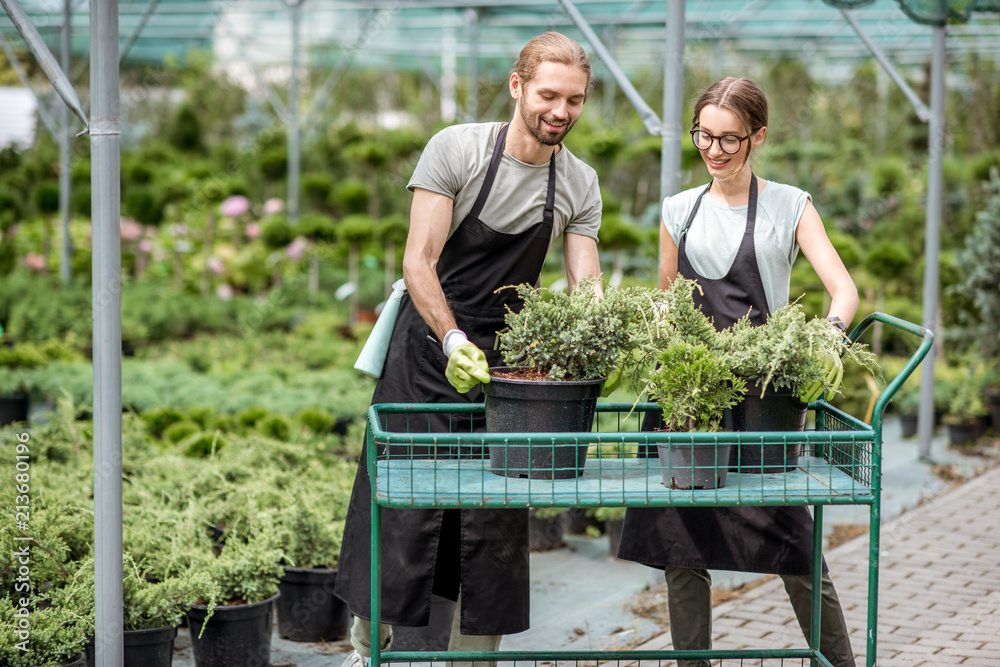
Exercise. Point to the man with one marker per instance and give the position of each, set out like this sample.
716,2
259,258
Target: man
488,199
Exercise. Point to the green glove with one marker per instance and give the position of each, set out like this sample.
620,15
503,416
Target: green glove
833,374
614,380
467,364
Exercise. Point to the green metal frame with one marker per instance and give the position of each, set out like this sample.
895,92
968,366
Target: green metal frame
842,465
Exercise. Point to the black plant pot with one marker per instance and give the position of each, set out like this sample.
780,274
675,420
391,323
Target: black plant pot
964,432
540,406
778,410
694,466
80,661
579,521
909,423
546,534
307,609
13,408
432,637
234,635
150,648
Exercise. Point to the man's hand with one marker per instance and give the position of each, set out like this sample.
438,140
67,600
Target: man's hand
467,365
833,375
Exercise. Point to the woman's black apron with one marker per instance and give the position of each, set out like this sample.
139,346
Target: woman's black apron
774,540
434,551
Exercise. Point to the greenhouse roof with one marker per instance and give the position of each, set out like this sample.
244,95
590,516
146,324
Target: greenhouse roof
418,34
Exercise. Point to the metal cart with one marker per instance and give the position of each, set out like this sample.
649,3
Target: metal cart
840,464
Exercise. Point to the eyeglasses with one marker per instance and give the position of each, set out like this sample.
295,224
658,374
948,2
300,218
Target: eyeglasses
729,143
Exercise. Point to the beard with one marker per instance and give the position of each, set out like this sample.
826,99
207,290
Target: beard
534,126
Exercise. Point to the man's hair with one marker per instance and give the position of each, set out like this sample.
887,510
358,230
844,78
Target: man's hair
552,47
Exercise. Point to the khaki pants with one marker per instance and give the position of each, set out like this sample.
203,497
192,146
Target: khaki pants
361,639
689,600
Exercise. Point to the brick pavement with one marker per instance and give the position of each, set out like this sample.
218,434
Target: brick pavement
939,588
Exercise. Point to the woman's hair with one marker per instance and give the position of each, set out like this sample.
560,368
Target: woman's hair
552,47
741,96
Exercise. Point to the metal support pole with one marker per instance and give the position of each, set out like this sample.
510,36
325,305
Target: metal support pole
935,186
292,122
105,163
648,116
472,67
65,166
673,101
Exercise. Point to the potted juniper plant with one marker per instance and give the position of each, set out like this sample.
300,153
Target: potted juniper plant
967,412
693,385
231,625
778,361
307,609
559,349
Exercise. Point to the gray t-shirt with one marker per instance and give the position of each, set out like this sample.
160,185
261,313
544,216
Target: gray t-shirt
454,164
717,230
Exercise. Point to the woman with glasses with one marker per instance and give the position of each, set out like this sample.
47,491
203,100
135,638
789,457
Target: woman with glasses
738,237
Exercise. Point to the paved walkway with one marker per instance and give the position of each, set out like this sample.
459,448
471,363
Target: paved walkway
939,588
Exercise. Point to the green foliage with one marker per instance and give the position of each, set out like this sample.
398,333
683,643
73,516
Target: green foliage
316,420
46,198
277,233
58,635
246,570
309,529
274,163
351,196
693,386
317,227
572,336
980,263
180,430
277,427
355,229
185,132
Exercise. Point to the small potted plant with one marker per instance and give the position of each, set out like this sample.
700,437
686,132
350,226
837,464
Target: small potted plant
546,527
56,635
966,413
231,624
559,349
693,385
991,391
310,536
907,404
778,361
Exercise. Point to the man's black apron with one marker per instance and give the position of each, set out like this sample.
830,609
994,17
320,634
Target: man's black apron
775,540
434,551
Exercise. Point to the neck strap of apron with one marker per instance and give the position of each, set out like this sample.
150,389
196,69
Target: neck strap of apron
491,174
751,205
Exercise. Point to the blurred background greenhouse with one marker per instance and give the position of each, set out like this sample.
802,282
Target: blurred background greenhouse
264,151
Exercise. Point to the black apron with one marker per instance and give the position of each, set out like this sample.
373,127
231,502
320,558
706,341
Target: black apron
434,551
776,540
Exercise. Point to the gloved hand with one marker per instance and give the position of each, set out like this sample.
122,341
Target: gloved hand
833,369
614,380
467,365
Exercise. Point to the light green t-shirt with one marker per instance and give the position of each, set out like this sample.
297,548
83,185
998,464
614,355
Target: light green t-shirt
454,164
717,231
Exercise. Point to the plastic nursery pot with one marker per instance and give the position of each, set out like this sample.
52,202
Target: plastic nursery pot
778,410
694,466
431,637
79,661
307,609
149,648
13,408
539,406
965,432
546,533
993,403
234,635
909,423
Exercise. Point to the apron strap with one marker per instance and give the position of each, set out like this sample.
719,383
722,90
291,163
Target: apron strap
491,172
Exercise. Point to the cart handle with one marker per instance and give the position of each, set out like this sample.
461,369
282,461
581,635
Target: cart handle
926,343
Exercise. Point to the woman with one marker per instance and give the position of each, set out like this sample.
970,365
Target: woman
738,238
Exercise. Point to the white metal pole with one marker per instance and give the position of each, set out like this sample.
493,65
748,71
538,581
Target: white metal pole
106,269
65,158
294,158
935,186
673,101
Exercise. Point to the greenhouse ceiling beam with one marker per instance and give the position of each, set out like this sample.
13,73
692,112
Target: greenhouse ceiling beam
649,118
65,155
918,105
105,178
137,30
